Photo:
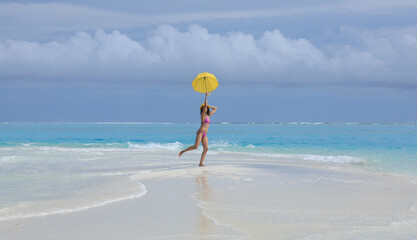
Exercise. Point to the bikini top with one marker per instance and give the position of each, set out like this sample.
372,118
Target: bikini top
207,120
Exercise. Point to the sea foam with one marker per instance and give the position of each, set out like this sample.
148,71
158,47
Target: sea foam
310,157
10,213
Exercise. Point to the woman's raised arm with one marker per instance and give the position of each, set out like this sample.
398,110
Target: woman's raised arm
213,111
204,110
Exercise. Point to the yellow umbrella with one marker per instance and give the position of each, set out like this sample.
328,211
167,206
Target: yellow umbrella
205,82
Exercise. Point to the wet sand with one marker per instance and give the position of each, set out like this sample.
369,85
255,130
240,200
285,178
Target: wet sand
239,197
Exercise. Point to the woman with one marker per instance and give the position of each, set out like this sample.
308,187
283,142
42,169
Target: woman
202,131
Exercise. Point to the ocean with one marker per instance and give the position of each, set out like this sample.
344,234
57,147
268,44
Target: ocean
51,168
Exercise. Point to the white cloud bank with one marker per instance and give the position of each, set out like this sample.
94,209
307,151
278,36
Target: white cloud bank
384,58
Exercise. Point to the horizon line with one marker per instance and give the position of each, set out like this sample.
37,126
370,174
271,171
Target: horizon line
220,122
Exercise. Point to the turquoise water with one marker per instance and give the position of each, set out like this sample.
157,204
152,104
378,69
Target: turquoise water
388,147
49,168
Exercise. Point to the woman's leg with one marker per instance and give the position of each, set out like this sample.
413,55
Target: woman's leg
195,146
205,149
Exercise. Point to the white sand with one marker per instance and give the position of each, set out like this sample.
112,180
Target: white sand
237,197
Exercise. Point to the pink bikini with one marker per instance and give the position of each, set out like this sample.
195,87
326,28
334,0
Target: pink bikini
208,121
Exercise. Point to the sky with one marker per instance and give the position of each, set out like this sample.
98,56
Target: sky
276,61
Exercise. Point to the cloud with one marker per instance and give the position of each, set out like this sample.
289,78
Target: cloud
382,58
29,19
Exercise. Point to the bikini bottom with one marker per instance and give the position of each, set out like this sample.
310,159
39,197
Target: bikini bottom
204,134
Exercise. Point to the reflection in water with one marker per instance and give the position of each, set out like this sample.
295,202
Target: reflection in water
203,193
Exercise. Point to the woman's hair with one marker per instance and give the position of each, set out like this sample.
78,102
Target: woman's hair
208,110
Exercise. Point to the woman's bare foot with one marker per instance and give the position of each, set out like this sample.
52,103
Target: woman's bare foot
179,154
201,165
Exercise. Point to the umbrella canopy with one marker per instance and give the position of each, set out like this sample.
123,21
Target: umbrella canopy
205,82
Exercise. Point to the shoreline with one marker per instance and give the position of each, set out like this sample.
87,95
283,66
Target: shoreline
155,215
210,203
78,209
